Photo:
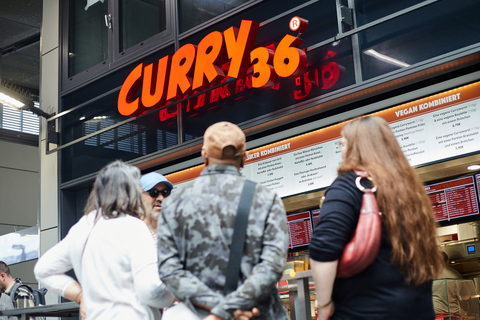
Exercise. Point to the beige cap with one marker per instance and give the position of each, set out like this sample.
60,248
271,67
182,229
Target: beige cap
224,140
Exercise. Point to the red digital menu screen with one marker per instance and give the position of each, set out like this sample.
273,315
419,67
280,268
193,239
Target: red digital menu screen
453,199
315,216
299,229
477,178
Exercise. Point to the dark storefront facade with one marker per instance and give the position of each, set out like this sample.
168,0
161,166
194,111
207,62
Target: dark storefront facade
125,68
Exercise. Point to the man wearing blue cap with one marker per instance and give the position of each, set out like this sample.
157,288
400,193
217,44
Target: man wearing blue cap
155,189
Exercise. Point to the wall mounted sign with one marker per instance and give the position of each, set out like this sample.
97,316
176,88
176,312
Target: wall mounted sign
217,59
429,129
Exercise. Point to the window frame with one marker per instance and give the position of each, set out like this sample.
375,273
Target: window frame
116,59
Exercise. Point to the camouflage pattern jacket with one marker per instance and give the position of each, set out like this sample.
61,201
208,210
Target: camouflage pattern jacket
194,236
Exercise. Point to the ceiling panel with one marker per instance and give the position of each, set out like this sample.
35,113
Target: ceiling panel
20,22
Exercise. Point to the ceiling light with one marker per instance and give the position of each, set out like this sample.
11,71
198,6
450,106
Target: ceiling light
11,102
474,167
385,58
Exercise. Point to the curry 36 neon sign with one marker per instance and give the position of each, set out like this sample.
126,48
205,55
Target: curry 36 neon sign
218,57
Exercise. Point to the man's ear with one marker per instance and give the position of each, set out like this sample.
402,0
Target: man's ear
242,160
205,157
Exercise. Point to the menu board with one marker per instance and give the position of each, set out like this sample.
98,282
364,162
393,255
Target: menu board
296,171
430,129
299,229
477,178
453,199
315,216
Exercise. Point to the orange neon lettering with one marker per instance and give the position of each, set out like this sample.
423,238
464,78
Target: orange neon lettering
180,81
155,77
128,105
239,44
289,61
210,52
264,75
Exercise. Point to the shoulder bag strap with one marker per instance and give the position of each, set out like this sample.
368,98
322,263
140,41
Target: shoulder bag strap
239,233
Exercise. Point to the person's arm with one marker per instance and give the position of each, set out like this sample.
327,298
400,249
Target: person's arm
74,293
51,267
143,256
268,271
323,274
238,314
150,289
184,285
333,230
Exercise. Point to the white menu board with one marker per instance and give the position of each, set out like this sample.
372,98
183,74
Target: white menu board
430,129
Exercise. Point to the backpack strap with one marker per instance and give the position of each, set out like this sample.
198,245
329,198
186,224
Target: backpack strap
12,293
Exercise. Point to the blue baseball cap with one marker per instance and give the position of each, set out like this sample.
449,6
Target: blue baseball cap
150,180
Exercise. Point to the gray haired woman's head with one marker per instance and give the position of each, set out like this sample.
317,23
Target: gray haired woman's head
116,190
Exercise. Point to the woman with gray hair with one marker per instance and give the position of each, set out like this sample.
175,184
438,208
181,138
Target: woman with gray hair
112,253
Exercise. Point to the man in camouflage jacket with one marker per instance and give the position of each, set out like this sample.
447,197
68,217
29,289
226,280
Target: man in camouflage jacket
195,233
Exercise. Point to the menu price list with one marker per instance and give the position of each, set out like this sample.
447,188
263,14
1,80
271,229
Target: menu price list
302,170
411,136
299,229
428,137
477,178
315,216
453,199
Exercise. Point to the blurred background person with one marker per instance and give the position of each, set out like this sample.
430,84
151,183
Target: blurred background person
156,188
111,251
447,271
22,297
398,284
450,295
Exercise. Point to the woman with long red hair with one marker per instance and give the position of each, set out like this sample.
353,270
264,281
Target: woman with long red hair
398,284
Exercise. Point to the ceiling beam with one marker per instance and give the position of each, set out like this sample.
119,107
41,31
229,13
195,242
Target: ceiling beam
33,39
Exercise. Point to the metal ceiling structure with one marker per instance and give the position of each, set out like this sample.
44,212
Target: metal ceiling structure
20,23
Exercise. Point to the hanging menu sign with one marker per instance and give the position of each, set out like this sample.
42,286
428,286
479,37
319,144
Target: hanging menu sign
299,229
430,129
453,199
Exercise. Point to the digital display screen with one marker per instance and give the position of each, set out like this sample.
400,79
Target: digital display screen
454,198
471,249
315,216
299,229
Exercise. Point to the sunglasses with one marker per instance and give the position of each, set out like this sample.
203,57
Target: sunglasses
154,193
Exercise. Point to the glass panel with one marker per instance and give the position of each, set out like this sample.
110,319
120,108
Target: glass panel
195,12
87,35
329,68
140,20
420,35
457,299
20,246
126,142
371,10
94,110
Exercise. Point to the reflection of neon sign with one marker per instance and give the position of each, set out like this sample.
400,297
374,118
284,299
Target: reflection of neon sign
193,69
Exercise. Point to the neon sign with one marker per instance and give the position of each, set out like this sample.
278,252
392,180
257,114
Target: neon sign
218,58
